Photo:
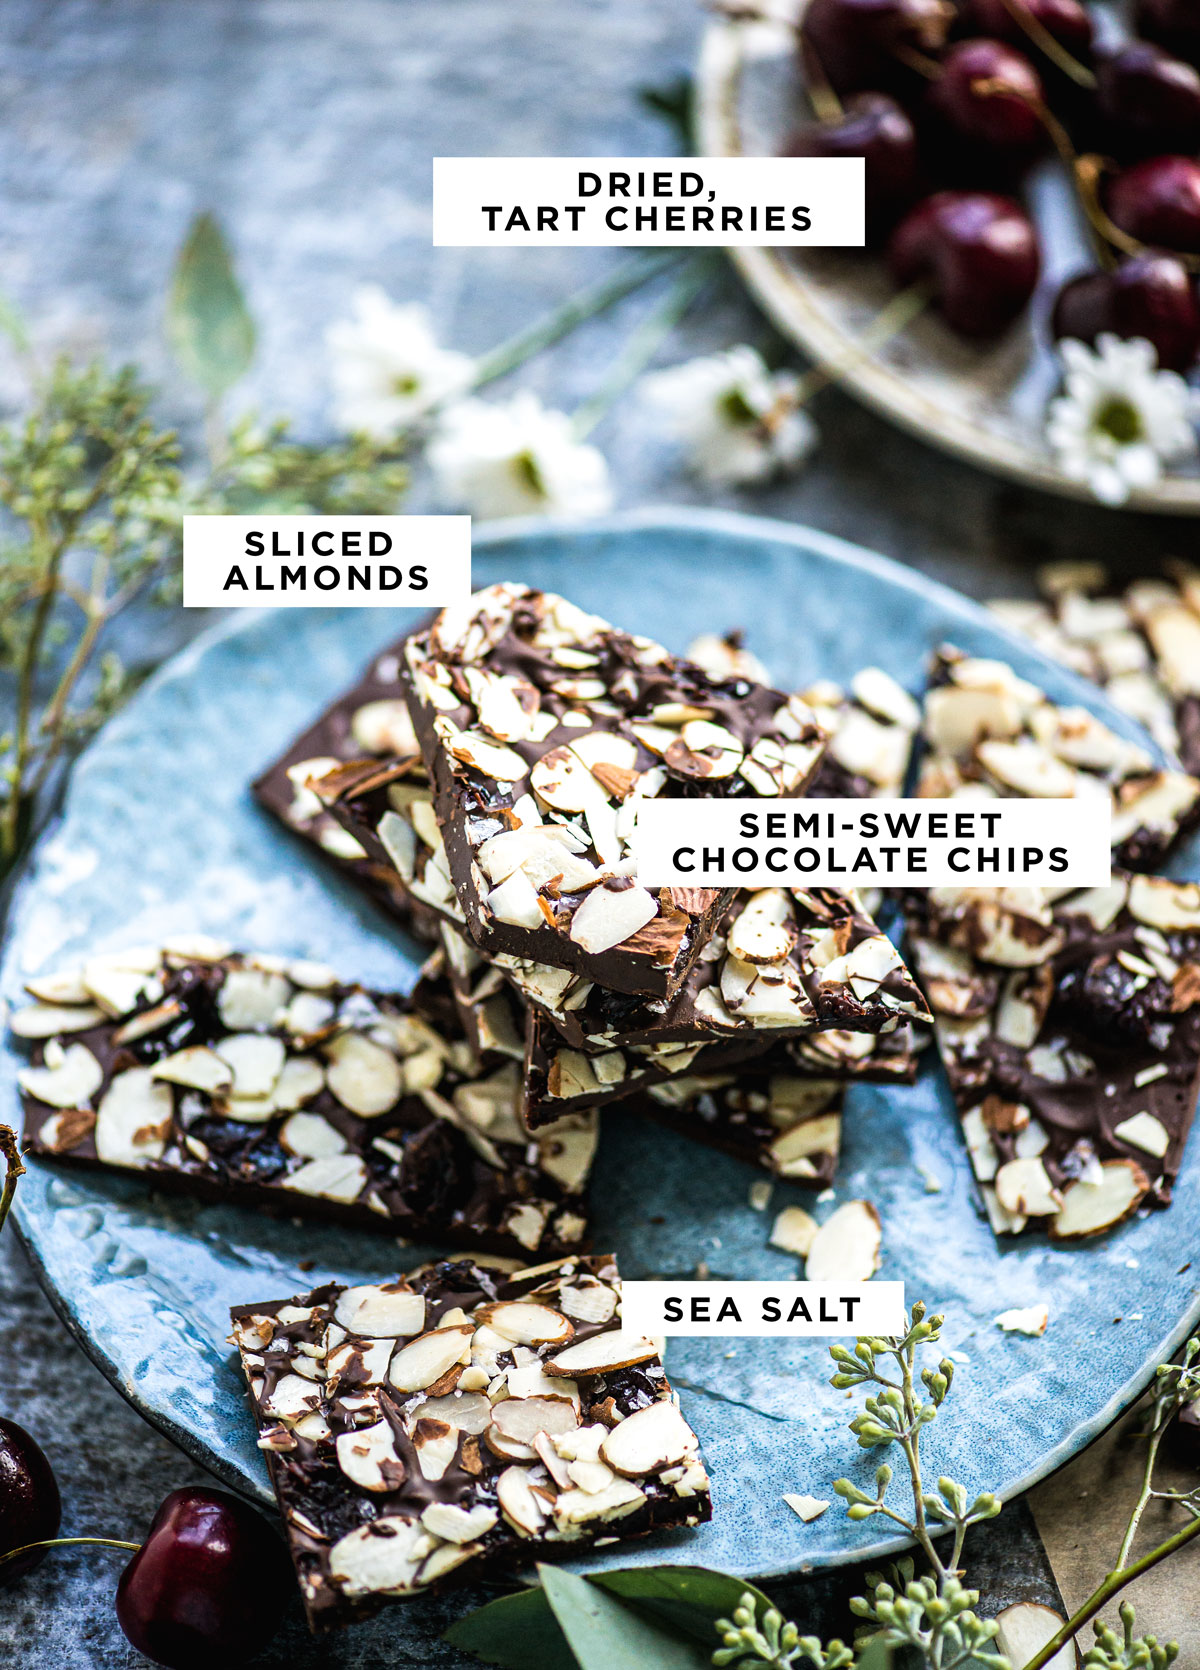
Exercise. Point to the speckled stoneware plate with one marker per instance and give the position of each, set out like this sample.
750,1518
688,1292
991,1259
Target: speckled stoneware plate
985,403
159,835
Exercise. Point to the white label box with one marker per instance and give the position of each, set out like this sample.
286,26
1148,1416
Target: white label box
325,562
760,1309
654,202
862,843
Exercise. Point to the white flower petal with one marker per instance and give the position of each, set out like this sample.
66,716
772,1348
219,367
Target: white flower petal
516,459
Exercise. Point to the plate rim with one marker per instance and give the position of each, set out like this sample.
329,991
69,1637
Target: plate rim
780,292
488,537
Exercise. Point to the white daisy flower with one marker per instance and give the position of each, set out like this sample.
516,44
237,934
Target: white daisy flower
516,459
387,368
741,422
1120,419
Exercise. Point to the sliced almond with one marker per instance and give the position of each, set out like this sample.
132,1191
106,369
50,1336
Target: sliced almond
607,917
368,1457
46,1020
457,1524
69,1077
525,1323
310,1137
65,987
588,1302
436,1444
1092,1208
335,1177
648,1440
602,1354
384,727
133,1119
807,1507
577,1507
380,1557
468,1412
300,1079
517,1421
846,1246
1169,905
1146,1132
1032,1320
525,1511
365,1077
251,998
197,1067
794,1231
424,1360
386,1311
1023,1187
1025,1628
256,1059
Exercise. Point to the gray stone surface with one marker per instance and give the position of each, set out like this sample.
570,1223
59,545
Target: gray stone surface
308,128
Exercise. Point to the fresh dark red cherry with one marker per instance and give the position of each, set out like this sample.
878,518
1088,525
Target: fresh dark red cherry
879,130
1147,101
1174,24
1151,295
979,252
1158,202
30,1506
1066,21
987,99
855,42
208,1586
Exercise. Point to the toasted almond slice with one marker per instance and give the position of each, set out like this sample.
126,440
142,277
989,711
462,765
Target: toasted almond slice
65,987
456,1524
197,1067
385,1311
332,1177
311,1137
576,1507
133,1119
846,1246
525,1512
367,1456
468,1412
808,1507
256,1059
585,1302
648,1440
1023,1187
293,1396
1091,1208
601,1354
1025,1628
517,1421
525,1323
1146,1132
69,1078
384,727
300,1079
365,1077
46,1020
436,1444
1033,1320
607,917
424,1360
380,1557
251,998
794,1231
1159,903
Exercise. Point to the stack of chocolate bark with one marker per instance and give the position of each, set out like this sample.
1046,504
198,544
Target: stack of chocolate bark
483,780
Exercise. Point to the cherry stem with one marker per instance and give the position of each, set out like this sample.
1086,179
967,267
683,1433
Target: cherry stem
919,61
900,312
1086,175
1054,50
12,1169
67,1542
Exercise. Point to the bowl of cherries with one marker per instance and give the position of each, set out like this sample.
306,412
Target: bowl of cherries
1029,293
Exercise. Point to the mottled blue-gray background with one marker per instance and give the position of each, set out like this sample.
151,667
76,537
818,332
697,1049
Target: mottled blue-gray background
309,127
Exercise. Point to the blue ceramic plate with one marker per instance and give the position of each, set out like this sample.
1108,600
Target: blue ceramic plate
159,834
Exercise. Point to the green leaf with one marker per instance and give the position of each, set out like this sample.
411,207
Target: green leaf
685,1598
875,1654
208,322
516,1632
605,1634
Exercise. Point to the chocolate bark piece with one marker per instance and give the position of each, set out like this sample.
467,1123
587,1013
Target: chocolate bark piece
1070,1032
1140,642
543,729
367,725
785,961
988,730
766,1112
457,1419
269,1082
